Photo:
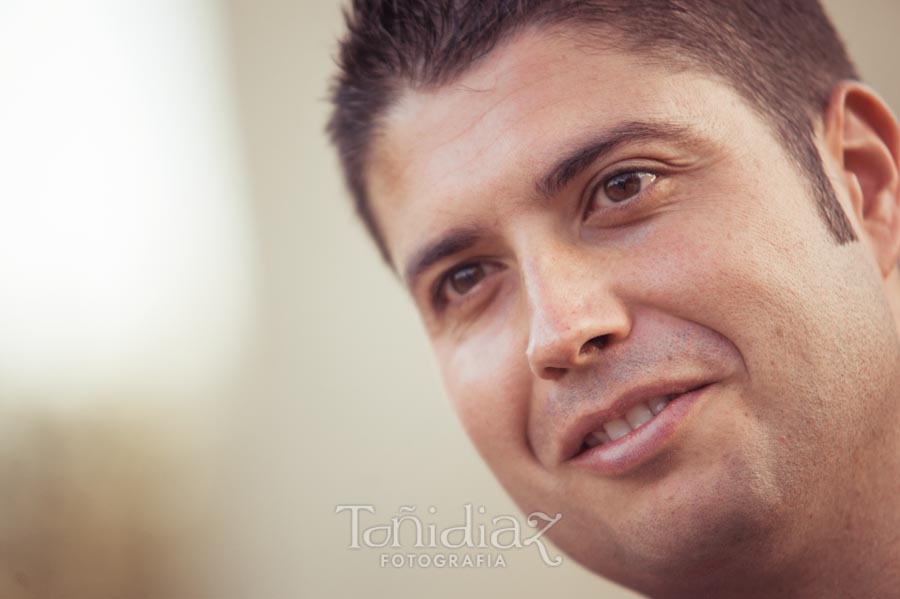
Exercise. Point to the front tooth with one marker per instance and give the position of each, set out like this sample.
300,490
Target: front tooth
616,429
596,438
601,436
657,404
638,415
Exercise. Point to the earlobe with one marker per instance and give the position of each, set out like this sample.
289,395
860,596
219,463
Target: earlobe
863,136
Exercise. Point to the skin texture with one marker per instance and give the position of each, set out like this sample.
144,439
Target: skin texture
782,480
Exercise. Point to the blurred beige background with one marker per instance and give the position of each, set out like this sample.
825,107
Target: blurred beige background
201,354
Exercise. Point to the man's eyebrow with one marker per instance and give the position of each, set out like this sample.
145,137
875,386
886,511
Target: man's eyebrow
603,143
452,242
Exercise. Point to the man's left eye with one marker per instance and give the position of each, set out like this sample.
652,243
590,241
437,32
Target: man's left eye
621,188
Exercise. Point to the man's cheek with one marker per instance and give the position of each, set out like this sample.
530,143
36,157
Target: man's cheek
693,266
488,381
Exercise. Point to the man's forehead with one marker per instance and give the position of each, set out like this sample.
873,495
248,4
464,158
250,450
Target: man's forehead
509,85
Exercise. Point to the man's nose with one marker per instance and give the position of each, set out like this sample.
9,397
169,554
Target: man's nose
574,313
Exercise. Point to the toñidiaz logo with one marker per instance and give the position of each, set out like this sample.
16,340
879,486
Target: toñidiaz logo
408,540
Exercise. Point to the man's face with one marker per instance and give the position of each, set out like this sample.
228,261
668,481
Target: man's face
588,236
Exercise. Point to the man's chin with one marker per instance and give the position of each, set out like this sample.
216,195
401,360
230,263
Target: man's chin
687,529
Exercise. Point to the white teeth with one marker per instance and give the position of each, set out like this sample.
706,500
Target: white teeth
638,415
616,429
657,404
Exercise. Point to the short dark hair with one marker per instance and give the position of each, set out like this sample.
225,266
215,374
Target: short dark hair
783,56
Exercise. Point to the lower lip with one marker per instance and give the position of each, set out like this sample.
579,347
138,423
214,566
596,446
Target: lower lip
615,458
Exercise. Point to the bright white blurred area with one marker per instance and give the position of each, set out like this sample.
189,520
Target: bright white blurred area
126,263
128,294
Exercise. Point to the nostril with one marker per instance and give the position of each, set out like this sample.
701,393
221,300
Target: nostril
596,343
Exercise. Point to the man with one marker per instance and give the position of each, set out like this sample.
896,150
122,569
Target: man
654,244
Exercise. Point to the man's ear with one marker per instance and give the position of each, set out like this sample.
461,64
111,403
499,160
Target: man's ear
863,136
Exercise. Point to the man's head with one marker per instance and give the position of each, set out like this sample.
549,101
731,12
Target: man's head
671,217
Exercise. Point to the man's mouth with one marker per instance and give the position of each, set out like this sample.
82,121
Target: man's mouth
637,426
636,417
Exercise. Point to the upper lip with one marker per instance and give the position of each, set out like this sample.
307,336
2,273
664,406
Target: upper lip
574,435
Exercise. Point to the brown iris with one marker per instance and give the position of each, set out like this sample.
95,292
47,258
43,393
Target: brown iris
623,187
463,279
